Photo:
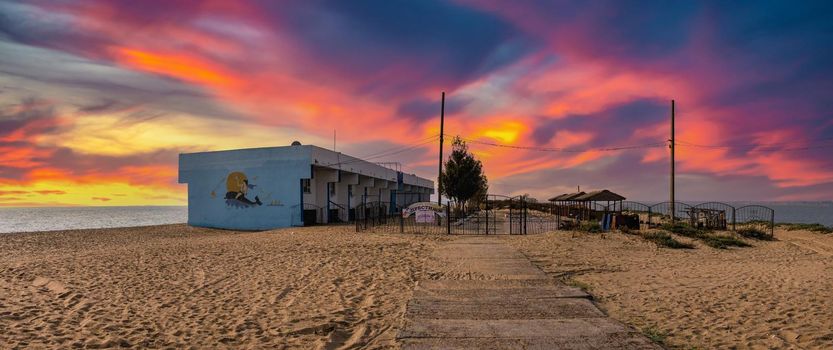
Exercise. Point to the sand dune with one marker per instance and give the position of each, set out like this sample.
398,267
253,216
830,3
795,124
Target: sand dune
176,286
774,295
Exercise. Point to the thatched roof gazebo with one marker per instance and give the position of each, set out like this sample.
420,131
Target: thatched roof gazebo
582,205
600,196
566,196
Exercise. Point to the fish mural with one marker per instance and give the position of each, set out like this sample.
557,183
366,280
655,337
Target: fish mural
237,185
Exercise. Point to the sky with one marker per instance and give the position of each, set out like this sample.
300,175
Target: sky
98,98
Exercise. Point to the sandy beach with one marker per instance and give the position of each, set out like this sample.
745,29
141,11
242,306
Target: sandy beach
329,287
177,286
775,295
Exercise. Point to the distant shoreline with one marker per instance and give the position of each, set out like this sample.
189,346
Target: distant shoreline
76,230
93,206
51,219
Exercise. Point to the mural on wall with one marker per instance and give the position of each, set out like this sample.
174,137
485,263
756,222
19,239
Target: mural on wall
237,185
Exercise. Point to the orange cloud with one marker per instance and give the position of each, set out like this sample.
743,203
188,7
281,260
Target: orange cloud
180,66
22,157
47,192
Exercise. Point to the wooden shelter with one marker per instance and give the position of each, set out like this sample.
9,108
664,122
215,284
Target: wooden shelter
585,205
605,196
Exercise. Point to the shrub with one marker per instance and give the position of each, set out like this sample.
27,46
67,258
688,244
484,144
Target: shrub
592,227
578,284
723,242
568,225
656,335
664,239
684,230
754,233
711,240
806,227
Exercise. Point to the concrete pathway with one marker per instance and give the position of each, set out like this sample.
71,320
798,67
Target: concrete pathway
490,296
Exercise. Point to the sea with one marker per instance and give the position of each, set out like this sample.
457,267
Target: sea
798,212
68,218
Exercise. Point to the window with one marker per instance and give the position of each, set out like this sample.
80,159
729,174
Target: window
332,186
305,185
350,190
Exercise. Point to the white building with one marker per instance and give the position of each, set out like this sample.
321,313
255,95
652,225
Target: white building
264,188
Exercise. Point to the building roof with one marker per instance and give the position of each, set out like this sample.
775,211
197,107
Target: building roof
298,156
553,199
599,196
566,196
595,196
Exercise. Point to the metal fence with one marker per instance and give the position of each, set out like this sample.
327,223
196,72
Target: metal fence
755,216
494,215
520,215
708,215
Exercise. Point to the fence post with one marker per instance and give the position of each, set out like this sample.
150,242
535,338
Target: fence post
734,219
401,223
448,219
487,217
558,220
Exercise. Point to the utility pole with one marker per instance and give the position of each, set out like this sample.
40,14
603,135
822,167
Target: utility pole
334,140
671,145
442,122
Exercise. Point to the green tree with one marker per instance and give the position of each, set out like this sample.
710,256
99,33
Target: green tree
462,179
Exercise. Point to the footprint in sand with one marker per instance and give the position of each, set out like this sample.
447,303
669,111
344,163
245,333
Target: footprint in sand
51,285
199,278
812,245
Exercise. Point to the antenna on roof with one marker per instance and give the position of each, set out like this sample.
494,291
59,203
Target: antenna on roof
391,165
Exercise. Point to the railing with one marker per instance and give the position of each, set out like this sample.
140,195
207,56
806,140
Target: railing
494,215
342,214
306,215
709,215
516,215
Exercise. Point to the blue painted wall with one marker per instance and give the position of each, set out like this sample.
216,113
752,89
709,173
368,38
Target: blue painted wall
274,172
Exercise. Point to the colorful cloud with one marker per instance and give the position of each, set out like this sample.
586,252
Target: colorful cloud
97,98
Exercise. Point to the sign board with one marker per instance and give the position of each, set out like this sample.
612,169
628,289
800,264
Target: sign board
424,216
425,212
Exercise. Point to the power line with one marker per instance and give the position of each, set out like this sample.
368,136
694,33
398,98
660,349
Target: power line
756,149
772,144
565,150
769,147
386,153
373,155
404,150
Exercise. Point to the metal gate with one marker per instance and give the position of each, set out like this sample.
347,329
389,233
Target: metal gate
496,215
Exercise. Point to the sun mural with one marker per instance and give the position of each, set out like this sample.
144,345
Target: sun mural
237,185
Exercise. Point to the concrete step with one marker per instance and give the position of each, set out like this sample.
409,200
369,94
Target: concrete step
581,333
490,296
529,288
624,341
506,309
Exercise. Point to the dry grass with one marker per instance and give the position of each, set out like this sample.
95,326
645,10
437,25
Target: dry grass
775,295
